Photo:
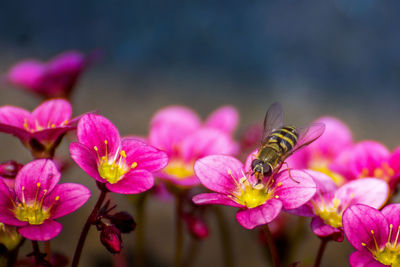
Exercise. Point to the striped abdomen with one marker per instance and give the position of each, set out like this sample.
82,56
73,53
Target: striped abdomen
285,138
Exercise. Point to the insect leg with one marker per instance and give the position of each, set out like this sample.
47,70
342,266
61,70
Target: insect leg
290,175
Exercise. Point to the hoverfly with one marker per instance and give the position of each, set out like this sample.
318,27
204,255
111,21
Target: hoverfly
278,142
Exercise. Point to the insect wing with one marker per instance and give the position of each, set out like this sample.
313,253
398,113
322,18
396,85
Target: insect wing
273,120
309,134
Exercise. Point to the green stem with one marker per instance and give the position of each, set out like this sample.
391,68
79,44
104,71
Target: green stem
140,240
321,250
271,246
89,222
178,231
226,241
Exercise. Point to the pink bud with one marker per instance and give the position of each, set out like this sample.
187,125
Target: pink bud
9,168
196,226
123,221
110,237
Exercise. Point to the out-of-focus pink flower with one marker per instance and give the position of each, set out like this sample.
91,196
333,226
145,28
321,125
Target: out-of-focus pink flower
259,203
55,78
375,235
196,225
124,165
369,159
179,131
329,203
36,200
320,153
42,130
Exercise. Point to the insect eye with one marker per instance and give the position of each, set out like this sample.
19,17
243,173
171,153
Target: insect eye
254,163
267,169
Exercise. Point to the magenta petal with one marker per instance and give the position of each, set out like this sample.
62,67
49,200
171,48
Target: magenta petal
86,159
324,183
294,190
71,197
219,173
364,259
41,174
225,118
133,182
94,130
183,118
26,74
323,230
43,232
147,157
392,215
251,218
204,142
14,116
369,191
359,220
55,111
215,198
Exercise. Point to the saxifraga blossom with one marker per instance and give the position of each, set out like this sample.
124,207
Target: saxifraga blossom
37,199
124,165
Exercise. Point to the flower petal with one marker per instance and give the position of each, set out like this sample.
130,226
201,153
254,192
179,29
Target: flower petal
391,213
323,230
215,198
133,182
364,259
225,118
52,112
369,191
71,197
26,74
219,173
294,188
324,183
182,117
204,142
358,222
42,232
35,178
94,130
86,159
14,116
147,157
251,218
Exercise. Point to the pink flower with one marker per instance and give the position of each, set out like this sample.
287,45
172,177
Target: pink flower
36,200
375,235
179,132
42,130
55,78
259,203
329,203
369,159
319,155
124,165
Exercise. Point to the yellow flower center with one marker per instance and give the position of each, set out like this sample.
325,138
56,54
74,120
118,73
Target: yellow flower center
112,169
33,212
38,127
330,213
322,165
179,169
385,172
390,253
251,195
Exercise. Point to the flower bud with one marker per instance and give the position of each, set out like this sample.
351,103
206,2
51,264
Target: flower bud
110,237
10,168
9,237
123,221
196,226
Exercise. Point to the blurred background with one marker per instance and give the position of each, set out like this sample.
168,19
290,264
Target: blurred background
336,57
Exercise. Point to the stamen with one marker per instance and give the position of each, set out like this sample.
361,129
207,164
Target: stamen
397,237
134,165
390,233
376,243
234,180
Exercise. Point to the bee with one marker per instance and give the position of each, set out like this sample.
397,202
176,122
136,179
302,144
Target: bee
280,141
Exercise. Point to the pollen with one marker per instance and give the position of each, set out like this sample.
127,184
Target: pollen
179,169
32,211
113,168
